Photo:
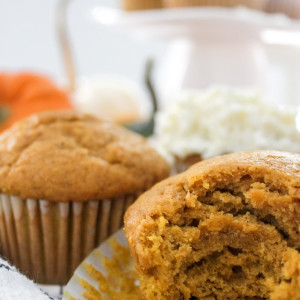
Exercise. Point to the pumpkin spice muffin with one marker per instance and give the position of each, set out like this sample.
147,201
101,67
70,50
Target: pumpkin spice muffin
66,180
228,228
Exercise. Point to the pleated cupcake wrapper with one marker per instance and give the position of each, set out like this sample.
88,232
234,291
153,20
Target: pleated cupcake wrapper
255,4
48,240
75,289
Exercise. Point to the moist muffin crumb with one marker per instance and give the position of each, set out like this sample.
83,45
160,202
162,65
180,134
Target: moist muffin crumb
228,228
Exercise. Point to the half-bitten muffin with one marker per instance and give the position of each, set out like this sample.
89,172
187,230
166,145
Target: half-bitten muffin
66,180
228,228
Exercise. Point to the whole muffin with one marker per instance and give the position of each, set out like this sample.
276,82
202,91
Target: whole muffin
66,180
228,228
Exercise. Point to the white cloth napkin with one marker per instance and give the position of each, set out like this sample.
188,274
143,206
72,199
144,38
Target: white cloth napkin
14,285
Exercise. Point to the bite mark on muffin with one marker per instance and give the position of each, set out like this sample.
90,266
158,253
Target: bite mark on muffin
231,233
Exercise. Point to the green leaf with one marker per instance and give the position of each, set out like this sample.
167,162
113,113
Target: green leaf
4,113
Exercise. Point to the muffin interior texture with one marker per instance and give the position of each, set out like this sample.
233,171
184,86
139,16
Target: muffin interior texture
228,232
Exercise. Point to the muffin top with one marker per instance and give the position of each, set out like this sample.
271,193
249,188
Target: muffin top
68,156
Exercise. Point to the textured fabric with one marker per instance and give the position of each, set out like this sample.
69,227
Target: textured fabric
14,285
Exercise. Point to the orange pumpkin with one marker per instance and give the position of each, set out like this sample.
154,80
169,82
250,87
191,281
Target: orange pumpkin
24,94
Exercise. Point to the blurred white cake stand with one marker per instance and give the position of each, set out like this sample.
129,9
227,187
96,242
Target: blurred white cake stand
208,46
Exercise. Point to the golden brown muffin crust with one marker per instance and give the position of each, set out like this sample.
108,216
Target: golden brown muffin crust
68,156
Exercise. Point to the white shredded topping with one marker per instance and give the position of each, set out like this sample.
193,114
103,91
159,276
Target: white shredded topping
223,120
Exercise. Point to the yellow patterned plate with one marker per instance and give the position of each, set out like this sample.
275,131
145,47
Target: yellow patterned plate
106,274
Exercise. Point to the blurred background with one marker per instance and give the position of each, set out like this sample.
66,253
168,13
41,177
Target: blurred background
28,40
192,47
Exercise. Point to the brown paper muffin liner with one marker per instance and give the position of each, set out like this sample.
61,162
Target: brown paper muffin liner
141,4
47,240
254,4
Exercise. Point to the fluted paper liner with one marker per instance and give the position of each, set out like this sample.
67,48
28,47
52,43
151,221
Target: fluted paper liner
47,240
83,283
